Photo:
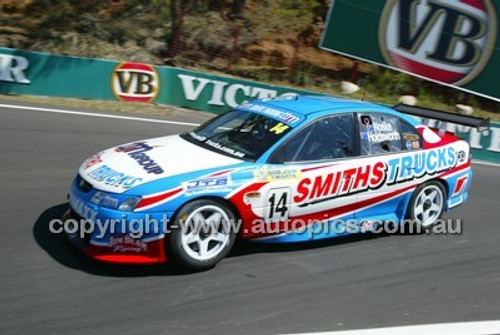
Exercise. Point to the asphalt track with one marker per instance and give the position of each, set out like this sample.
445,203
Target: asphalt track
48,287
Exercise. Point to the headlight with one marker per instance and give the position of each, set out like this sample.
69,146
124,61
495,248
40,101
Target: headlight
129,204
105,200
109,201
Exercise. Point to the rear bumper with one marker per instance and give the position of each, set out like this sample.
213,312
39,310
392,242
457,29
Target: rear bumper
121,248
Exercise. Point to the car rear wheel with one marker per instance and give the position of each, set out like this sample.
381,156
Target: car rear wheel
201,235
427,204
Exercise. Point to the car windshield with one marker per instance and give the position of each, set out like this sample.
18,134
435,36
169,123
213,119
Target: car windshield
239,134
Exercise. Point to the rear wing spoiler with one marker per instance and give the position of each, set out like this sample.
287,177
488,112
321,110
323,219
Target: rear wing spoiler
447,117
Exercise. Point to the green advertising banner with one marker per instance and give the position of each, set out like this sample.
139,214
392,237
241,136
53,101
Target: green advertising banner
23,72
32,73
452,42
216,93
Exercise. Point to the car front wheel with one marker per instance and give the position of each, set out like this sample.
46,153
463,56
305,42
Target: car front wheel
202,234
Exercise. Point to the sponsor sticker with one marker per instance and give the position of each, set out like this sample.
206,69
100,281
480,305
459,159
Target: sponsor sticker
461,156
228,150
207,183
271,175
137,151
286,117
126,243
411,137
373,176
366,123
114,178
91,161
198,137
82,209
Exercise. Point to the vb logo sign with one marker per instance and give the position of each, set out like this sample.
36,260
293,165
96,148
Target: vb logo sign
135,82
450,41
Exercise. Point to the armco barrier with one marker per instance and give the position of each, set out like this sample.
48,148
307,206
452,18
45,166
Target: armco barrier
23,72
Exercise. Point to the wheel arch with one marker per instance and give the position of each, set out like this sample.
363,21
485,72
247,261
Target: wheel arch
445,184
447,189
403,207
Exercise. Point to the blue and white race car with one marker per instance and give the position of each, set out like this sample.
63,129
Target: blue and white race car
269,171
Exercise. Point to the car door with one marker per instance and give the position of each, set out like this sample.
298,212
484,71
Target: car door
307,173
384,139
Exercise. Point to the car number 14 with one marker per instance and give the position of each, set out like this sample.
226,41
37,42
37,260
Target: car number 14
278,204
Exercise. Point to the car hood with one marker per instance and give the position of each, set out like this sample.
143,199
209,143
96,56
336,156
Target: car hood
125,166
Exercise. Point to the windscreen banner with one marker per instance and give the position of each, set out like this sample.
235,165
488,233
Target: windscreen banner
452,42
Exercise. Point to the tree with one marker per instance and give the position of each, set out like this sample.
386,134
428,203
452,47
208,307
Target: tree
177,11
237,8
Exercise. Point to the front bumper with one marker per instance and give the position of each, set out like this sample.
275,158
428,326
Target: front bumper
121,249
114,236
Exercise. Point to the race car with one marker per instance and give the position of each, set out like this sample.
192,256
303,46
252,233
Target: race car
268,170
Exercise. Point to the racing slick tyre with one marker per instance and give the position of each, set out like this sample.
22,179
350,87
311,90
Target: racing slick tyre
427,204
201,235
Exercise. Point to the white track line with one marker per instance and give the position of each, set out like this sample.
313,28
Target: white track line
107,116
461,328
485,163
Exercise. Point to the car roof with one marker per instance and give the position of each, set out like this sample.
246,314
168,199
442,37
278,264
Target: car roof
321,105
307,105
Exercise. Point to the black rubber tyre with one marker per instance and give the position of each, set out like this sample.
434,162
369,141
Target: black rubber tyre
199,244
427,204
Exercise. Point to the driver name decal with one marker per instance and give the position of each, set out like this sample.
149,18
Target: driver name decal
378,132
